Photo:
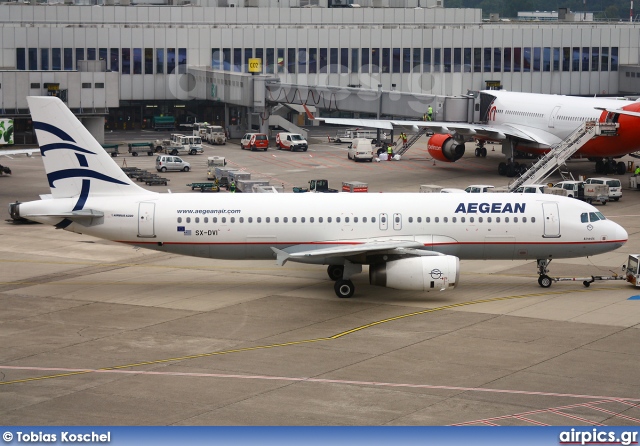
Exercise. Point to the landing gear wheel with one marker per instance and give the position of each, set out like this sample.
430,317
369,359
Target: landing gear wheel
478,151
335,272
621,169
586,284
135,153
522,169
600,166
502,169
344,288
544,281
511,170
483,152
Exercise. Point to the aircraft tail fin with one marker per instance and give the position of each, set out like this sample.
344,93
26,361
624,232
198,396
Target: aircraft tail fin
76,164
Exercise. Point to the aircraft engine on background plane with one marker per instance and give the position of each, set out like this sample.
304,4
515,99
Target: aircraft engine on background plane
443,147
428,273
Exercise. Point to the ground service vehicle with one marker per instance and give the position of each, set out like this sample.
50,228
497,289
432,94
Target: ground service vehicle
163,123
184,144
631,270
141,147
349,135
215,135
316,186
361,149
212,163
531,189
291,141
585,192
478,188
615,187
168,162
254,141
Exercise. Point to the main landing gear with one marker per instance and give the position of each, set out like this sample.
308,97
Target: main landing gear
481,150
543,280
511,169
341,274
610,166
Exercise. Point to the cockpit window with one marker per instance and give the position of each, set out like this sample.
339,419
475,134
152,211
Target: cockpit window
584,217
600,216
593,216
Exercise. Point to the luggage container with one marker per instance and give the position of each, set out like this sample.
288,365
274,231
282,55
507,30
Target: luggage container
430,188
246,185
270,189
354,186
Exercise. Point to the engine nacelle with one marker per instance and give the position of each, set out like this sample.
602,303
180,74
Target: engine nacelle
427,273
444,148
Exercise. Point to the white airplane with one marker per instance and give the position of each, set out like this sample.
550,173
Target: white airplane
9,152
410,241
529,122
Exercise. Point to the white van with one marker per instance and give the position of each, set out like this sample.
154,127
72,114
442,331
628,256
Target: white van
215,135
291,141
168,162
350,135
360,149
478,188
615,187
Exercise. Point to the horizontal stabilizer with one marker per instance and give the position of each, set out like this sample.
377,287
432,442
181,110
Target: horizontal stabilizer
74,215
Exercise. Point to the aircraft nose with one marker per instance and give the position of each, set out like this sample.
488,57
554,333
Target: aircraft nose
620,233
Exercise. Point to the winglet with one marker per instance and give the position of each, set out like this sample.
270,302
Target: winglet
281,256
309,114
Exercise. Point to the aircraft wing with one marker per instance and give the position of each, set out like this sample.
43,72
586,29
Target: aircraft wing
405,247
497,132
9,152
619,111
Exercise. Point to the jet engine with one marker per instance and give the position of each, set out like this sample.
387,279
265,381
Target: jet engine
445,148
425,273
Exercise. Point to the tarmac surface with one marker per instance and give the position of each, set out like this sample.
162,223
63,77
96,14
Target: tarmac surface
97,333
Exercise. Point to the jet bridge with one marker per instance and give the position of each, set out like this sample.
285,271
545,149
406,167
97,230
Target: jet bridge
259,93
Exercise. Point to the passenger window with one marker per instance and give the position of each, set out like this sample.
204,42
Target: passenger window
397,219
383,219
446,219
373,219
268,219
214,220
488,219
462,219
188,219
224,219
419,219
470,219
293,220
233,219
259,220
428,219
319,219
497,219
302,219
437,219
285,219
179,219
524,219
206,219
328,219
346,219
355,219
533,219
515,219
364,219
197,220
276,220
479,219
337,219
410,219
250,220
241,219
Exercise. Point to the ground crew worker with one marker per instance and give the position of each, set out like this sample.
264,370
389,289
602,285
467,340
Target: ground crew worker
637,172
232,187
389,152
403,137
430,113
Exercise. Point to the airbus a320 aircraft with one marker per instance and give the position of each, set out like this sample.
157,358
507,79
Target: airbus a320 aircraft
532,123
409,241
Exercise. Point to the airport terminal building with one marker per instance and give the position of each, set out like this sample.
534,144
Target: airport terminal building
132,62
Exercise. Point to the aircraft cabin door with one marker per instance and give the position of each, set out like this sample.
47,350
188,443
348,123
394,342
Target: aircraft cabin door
146,215
384,223
551,220
397,221
552,116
